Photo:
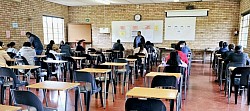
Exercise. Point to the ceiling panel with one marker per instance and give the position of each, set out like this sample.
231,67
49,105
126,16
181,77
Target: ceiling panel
118,2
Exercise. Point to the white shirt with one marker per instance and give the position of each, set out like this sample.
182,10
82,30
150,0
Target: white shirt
29,54
144,51
13,50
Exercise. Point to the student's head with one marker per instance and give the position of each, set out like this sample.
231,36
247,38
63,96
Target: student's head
118,41
231,46
139,33
8,45
27,44
141,46
62,42
1,43
148,43
52,42
67,43
12,44
238,48
224,45
174,59
182,43
28,34
220,43
177,47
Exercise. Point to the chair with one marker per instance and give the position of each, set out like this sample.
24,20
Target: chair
11,54
14,84
125,71
30,100
141,63
136,64
71,65
240,80
48,70
135,104
100,80
87,62
88,91
165,82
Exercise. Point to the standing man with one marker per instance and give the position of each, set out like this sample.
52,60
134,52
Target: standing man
35,42
139,39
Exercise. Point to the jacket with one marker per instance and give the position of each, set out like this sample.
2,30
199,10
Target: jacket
29,54
222,50
67,50
118,46
241,58
142,41
36,42
3,57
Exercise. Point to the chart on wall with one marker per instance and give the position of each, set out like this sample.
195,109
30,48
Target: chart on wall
126,31
180,28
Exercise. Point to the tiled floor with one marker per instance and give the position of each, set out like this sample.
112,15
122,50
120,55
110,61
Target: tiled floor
203,95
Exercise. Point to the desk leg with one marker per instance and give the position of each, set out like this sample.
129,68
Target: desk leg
76,98
211,59
113,83
44,94
66,99
204,57
171,105
181,88
248,94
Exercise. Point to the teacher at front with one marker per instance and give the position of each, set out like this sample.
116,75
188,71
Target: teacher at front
139,39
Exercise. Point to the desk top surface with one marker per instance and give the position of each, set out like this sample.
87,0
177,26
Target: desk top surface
153,74
24,67
54,85
114,64
40,56
9,108
153,93
55,61
94,70
79,58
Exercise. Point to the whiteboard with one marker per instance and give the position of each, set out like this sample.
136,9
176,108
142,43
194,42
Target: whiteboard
127,30
180,28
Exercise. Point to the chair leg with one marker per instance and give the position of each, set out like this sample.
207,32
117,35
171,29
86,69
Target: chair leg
236,88
101,98
248,94
10,98
88,100
107,88
2,94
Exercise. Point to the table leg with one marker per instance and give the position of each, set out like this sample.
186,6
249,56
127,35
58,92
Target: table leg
171,105
123,82
185,87
113,83
105,91
181,88
229,89
76,98
204,57
66,99
211,55
133,75
44,94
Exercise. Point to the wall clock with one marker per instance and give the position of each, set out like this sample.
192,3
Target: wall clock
137,17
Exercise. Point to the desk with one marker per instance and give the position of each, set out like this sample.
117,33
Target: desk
9,108
58,62
113,64
171,94
54,85
131,61
95,70
79,59
25,67
205,54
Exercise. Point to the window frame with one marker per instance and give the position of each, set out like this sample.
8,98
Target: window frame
244,30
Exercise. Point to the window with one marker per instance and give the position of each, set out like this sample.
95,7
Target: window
244,27
53,29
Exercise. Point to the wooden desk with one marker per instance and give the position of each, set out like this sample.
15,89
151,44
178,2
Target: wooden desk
9,108
114,64
142,92
80,60
55,61
95,70
24,67
132,63
54,85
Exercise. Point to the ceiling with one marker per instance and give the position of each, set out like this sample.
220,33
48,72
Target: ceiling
116,2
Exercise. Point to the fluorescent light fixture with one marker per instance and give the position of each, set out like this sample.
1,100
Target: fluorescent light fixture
107,2
176,0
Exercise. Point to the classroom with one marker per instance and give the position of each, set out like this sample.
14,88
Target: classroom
124,55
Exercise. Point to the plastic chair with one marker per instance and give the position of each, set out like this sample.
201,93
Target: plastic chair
14,84
11,54
88,61
141,63
240,80
100,80
30,100
136,64
71,66
88,91
125,71
165,82
135,104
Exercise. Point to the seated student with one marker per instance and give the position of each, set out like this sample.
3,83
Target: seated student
149,47
61,44
141,49
238,57
180,53
28,53
118,46
65,48
3,56
52,47
223,49
175,60
80,46
184,48
11,47
231,50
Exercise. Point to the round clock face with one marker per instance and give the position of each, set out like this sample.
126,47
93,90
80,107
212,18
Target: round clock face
137,17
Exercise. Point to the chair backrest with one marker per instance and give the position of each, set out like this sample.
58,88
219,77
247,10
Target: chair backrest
72,61
132,57
11,54
164,81
7,72
88,57
50,55
102,67
244,74
120,60
173,69
140,54
25,62
135,104
27,98
85,77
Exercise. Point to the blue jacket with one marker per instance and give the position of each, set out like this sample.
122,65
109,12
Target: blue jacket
237,58
36,42
185,50
222,50
67,50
